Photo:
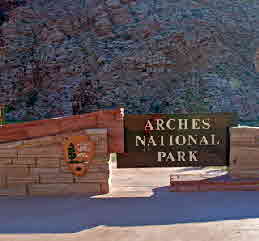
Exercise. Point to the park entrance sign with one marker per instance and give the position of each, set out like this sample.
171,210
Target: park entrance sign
164,140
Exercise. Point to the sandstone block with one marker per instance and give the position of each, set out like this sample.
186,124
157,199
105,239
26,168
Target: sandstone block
104,188
95,166
79,123
42,170
36,155
116,145
64,169
101,148
108,124
44,130
100,162
10,145
70,124
47,189
63,189
117,131
13,190
67,134
22,180
105,116
48,162
46,140
57,178
3,180
6,160
16,171
242,159
93,177
99,131
3,170
24,161
8,134
42,151
99,139
99,170
99,156
11,153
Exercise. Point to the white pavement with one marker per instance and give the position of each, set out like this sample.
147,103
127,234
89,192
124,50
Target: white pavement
139,208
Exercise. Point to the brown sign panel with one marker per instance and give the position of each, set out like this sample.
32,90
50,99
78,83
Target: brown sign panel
166,140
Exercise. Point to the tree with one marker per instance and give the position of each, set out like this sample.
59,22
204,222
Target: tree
71,152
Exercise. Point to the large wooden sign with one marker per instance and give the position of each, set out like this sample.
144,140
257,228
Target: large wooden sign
163,140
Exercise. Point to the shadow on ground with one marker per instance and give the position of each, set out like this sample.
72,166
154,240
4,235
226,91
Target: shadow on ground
75,214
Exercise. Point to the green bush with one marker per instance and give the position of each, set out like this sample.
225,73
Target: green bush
9,108
32,98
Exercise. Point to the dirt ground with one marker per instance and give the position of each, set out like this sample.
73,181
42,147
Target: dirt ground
139,208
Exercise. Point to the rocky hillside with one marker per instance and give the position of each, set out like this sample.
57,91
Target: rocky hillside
66,57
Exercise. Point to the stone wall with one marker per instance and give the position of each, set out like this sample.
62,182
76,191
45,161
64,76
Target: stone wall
110,119
40,168
32,155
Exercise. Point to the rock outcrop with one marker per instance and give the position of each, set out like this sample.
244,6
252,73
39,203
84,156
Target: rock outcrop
75,56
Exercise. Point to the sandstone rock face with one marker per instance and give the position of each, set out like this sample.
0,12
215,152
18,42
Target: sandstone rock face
146,56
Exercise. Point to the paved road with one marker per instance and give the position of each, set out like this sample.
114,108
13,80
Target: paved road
139,208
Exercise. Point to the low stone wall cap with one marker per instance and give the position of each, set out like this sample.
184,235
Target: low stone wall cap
245,127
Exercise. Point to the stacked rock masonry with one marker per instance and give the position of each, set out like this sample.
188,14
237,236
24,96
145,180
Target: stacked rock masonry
34,168
244,152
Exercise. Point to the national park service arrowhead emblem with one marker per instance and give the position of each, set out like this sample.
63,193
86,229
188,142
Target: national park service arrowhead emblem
79,152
